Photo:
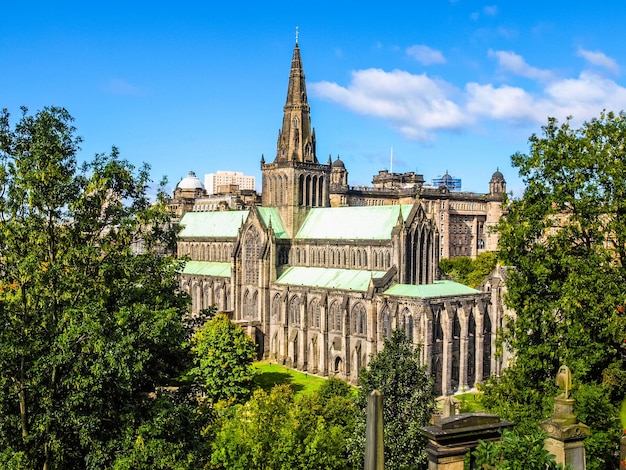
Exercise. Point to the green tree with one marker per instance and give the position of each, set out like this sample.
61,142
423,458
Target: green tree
408,403
280,431
471,272
456,268
90,325
515,452
167,433
223,355
566,241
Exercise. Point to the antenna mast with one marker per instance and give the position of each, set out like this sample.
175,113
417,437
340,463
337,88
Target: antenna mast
391,161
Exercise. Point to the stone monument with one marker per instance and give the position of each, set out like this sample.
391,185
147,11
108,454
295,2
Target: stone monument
450,438
566,434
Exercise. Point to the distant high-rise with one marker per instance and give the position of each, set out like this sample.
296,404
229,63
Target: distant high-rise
226,181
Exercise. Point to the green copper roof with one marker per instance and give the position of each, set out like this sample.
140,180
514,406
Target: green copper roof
207,268
436,289
271,214
343,279
352,223
212,224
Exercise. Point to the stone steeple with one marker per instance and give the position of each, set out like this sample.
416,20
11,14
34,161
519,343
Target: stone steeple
296,139
295,181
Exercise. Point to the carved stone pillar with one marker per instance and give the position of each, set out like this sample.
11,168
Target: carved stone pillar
566,435
463,361
479,348
446,376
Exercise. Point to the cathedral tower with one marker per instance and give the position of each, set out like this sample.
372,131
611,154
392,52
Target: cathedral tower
295,181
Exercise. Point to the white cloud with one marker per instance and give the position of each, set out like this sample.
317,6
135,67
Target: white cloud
502,103
413,104
426,55
419,106
585,96
600,59
512,62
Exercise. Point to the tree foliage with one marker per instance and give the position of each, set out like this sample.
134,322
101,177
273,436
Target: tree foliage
167,433
90,325
408,403
468,271
515,452
566,241
223,356
281,431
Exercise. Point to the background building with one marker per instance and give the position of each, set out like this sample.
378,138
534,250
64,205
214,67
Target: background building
453,184
465,219
223,182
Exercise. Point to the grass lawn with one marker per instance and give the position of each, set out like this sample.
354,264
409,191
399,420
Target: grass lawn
470,402
270,374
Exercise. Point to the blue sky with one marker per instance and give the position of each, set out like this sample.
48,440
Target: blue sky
448,85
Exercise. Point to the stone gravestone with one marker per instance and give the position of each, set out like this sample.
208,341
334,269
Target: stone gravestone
566,434
452,437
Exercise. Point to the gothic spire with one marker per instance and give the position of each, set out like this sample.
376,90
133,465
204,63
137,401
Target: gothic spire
296,139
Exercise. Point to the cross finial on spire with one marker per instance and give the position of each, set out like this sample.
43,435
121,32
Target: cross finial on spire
296,35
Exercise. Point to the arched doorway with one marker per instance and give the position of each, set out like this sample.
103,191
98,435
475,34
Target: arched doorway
315,354
338,366
295,350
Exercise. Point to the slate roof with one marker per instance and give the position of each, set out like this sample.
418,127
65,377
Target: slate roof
329,278
223,224
437,289
352,223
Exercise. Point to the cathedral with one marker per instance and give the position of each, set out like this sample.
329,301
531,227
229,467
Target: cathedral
319,274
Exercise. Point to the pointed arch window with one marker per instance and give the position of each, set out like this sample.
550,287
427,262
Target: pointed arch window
250,305
251,256
335,317
276,307
456,327
486,346
471,350
408,324
437,333
359,320
315,313
294,310
386,323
